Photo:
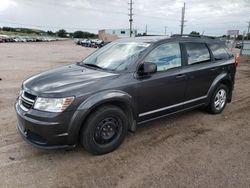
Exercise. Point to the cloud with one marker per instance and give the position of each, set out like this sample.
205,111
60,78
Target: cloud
5,4
213,17
77,3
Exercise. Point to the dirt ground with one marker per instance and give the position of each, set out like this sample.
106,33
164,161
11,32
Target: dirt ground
192,149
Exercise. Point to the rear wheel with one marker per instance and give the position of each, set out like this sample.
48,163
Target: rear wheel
219,100
104,130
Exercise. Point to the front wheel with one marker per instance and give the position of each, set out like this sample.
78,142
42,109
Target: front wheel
219,100
104,130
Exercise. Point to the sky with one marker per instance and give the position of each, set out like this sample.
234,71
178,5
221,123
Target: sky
210,17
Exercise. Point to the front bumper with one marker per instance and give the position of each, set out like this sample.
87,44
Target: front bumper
48,130
36,142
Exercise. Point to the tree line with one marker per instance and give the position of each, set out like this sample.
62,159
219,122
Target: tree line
60,33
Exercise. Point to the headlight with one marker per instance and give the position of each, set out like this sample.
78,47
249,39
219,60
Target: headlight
53,104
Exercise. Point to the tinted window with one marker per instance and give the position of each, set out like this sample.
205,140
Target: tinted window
165,56
219,52
197,53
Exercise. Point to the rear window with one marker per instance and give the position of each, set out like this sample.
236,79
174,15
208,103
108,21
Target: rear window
197,53
219,51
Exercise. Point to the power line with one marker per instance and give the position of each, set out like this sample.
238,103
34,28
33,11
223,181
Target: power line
156,17
149,31
20,24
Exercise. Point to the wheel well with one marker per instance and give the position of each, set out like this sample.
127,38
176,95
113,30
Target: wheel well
125,107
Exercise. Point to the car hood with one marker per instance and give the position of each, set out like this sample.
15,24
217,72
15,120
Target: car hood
66,78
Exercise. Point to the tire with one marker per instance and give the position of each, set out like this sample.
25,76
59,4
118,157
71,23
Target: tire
104,130
218,100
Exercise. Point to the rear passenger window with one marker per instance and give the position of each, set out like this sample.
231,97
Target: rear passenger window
219,51
197,53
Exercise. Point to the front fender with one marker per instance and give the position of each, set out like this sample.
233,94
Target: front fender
94,101
105,96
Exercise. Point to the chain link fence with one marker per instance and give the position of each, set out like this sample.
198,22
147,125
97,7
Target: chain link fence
245,51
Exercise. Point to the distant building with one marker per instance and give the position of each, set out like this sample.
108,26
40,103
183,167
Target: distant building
113,34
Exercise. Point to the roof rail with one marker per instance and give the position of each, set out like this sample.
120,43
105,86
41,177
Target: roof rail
149,35
192,35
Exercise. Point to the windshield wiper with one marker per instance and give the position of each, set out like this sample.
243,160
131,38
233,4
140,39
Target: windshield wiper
93,65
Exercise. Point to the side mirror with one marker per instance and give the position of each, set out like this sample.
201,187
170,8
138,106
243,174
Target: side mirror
149,68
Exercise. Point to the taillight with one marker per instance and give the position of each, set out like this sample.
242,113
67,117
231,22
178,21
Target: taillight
237,59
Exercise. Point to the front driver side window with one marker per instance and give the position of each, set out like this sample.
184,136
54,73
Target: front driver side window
165,56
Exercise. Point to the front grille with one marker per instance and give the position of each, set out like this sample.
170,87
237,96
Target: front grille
26,100
29,96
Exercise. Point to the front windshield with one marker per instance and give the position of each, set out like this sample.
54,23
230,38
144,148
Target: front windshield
115,56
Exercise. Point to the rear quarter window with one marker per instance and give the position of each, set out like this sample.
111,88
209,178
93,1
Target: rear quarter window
219,51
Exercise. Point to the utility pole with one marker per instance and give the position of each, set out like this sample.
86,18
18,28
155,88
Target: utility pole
243,36
248,30
130,17
166,30
146,29
183,18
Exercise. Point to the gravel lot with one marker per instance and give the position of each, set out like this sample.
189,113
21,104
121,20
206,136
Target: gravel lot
192,149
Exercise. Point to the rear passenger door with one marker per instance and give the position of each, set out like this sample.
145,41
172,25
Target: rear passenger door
201,69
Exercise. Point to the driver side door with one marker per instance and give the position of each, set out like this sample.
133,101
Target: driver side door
159,92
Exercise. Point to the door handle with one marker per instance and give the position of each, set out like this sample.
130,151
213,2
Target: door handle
214,69
180,76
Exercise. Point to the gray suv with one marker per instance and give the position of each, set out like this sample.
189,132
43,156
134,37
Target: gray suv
122,85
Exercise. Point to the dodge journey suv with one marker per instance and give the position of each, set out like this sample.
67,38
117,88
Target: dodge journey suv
122,85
